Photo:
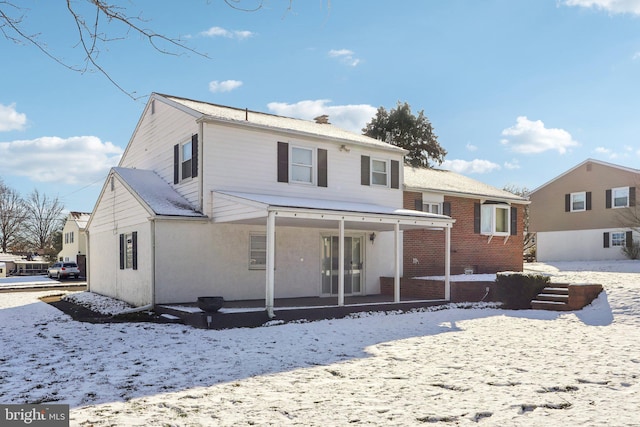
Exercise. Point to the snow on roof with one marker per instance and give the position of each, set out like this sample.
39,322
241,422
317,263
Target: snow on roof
443,181
244,116
156,193
81,218
331,205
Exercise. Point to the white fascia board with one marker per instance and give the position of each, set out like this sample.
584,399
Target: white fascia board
518,200
361,217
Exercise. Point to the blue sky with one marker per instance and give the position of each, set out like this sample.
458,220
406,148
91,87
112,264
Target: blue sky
517,91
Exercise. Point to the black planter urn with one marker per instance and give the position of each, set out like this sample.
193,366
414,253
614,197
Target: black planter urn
210,304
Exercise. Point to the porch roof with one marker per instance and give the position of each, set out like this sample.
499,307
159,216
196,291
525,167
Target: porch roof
250,208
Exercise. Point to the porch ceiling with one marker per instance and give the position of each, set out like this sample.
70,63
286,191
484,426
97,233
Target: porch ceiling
246,208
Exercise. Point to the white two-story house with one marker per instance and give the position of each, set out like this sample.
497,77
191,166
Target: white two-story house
217,201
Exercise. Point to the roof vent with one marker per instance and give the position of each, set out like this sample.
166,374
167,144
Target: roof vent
323,119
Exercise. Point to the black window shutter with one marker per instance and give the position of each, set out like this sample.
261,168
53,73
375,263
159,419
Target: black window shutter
365,171
588,200
632,196
283,162
322,167
514,221
607,201
122,247
194,155
395,174
417,204
567,202
476,218
629,239
134,244
606,240
176,163
446,208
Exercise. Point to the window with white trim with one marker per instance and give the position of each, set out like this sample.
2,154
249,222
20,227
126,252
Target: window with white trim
495,219
257,251
302,165
431,207
618,239
578,202
379,173
620,197
186,154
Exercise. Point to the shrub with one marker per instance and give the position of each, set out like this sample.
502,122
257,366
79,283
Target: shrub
516,290
633,251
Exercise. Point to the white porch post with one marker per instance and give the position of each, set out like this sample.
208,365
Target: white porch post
396,278
341,263
447,263
271,265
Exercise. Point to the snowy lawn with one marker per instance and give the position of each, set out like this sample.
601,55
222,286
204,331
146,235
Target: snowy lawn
454,366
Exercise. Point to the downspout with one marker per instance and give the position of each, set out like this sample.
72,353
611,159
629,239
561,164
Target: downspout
153,262
88,260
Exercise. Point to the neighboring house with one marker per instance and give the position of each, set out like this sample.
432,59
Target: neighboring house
488,233
74,240
216,201
583,213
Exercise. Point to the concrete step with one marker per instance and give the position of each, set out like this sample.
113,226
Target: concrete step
556,291
549,305
553,297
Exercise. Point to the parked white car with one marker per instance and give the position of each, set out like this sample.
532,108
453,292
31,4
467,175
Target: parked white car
63,270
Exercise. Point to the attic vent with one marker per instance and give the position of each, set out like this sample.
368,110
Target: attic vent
323,119
588,167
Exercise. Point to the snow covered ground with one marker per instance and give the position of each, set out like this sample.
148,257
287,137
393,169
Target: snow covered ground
480,366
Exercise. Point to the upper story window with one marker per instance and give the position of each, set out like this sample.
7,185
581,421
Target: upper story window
495,219
431,207
378,172
379,175
185,160
578,202
620,197
302,165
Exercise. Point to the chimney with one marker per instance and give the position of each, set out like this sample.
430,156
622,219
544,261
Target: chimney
323,119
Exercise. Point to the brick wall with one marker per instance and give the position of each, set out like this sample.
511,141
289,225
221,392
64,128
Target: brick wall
473,291
424,249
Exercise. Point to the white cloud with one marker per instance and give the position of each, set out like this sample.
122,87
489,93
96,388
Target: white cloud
471,147
636,56
344,55
225,86
613,6
10,119
349,117
513,164
221,32
467,167
531,137
75,160
605,152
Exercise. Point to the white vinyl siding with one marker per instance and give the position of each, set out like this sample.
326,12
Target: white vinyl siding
151,146
228,167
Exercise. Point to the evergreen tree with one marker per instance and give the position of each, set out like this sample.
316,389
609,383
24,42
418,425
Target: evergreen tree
403,129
